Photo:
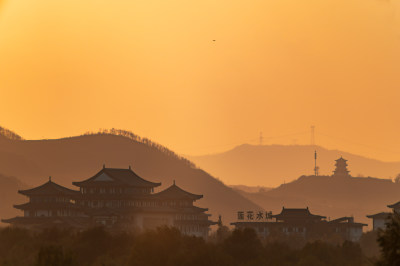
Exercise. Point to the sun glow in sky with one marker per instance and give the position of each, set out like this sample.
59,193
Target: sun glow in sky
152,67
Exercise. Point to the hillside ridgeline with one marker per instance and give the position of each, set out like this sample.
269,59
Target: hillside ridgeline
78,158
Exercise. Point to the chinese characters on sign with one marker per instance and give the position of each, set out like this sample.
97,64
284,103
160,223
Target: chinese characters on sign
254,215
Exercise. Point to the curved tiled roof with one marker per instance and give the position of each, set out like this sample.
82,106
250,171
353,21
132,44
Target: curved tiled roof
175,192
124,177
47,205
296,214
46,222
49,188
394,205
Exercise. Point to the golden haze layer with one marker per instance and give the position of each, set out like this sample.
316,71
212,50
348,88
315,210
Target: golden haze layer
153,67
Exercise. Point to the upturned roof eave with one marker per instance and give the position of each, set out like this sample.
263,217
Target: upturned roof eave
55,189
175,192
116,179
397,204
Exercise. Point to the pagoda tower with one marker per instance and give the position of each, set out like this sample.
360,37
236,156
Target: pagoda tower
341,168
49,205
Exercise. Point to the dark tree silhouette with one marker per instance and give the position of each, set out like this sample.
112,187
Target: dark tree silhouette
389,241
146,141
165,246
9,134
53,256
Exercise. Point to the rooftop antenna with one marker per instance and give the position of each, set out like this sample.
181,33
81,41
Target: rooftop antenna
316,168
261,138
312,135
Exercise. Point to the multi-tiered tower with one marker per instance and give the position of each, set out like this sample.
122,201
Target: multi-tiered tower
341,168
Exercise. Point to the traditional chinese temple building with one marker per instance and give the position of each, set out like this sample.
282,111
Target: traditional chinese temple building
302,223
114,198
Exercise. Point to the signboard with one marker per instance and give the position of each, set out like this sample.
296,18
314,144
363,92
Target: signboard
256,216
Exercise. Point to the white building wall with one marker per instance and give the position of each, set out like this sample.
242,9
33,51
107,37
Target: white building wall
355,233
379,224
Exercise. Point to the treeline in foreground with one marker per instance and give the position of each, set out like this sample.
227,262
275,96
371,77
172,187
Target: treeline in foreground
167,246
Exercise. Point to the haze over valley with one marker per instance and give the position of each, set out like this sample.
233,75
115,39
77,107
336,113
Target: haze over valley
272,165
270,177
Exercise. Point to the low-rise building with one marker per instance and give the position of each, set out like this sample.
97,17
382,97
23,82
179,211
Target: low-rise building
379,220
302,223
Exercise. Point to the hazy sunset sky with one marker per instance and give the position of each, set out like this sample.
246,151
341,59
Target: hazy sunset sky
152,67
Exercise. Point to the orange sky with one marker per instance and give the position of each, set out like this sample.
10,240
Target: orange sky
152,67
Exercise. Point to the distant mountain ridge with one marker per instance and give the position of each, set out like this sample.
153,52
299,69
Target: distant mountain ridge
77,158
272,165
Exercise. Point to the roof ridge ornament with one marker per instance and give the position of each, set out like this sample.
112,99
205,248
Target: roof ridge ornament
174,182
104,166
49,178
130,168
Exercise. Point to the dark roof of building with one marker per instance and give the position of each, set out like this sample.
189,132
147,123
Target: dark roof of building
381,215
115,196
47,205
341,159
346,221
395,205
297,214
49,188
46,222
124,177
175,192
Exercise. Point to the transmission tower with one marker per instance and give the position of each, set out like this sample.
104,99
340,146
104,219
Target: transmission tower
316,168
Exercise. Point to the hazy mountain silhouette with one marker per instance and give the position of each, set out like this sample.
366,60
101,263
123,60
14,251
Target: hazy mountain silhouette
272,165
77,158
330,196
9,187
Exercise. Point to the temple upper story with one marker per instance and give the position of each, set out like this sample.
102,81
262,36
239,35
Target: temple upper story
116,181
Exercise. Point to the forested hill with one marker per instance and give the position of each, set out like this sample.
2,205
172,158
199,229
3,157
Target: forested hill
331,196
272,165
78,158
